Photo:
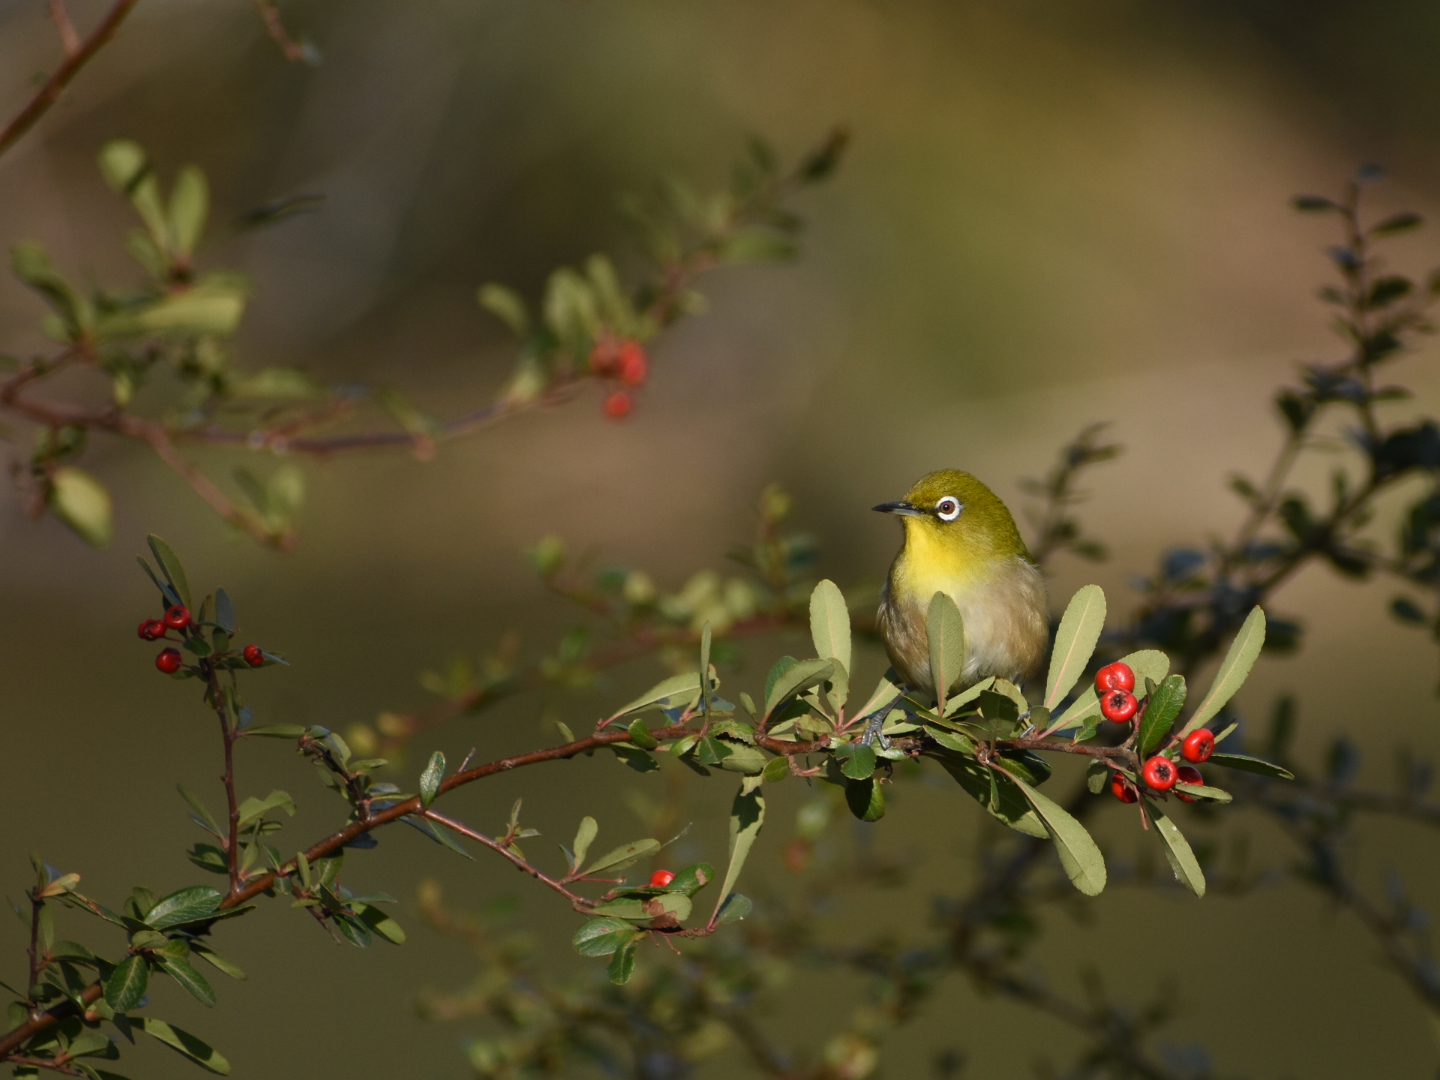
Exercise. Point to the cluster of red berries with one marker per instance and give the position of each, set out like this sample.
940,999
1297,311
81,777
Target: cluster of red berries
623,360
1115,683
178,618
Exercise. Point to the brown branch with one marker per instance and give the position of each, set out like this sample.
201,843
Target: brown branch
229,735
578,902
49,93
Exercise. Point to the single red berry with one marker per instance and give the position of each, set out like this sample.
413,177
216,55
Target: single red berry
1116,676
152,629
178,617
661,878
618,405
1160,773
254,656
1187,774
633,366
170,661
1118,705
1198,745
1121,790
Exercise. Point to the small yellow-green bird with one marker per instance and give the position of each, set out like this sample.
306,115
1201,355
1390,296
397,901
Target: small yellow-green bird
960,539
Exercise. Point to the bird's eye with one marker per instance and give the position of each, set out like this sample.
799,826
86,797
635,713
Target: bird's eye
948,509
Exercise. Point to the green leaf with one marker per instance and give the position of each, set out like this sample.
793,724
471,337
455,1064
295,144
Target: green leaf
584,837
1201,791
1234,669
622,964
954,740
127,983
199,808
955,704
602,936
830,624
253,809
171,568
856,762
189,978
207,1057
692,879
440,835
1164,706
886,691
996,791
81,501
189,207
798,677
776,769
216,960
1079,855
779,668
1251,764
507,306
1177,849
865,798
640,735
623,856
225,611
747,816
946,632
634,757
1080,628
277,731
194,904
743,759
430,779
1097,776
1147,664
379,922
735,908
670,693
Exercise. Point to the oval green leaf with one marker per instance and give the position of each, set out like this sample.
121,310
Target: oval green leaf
946,632
1234,669
1080,628
1079,854
1177,850
830,623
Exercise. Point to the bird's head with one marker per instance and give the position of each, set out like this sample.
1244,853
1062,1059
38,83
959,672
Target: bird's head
951,513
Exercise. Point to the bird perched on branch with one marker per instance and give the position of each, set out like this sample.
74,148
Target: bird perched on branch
960,539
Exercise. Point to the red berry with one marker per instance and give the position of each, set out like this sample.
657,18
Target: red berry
618,405
1187,774
178,617
1116,676
1198,745
1118,705
152,629
170,661
254,656
1121,790
632,364
661,878
1160,773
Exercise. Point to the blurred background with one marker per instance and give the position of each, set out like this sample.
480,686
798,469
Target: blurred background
1052,214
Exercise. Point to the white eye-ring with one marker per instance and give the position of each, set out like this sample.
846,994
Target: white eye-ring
948,509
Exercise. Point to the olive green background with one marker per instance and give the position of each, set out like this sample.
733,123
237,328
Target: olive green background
1053,214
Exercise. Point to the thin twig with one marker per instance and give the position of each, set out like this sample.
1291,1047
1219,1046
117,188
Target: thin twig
275,27
578,902
68,37
48,94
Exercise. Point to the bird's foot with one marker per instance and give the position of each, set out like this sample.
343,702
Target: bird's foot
873,733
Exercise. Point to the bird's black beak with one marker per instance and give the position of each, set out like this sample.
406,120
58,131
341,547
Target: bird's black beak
904,509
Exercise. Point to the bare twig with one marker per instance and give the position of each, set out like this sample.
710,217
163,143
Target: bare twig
48,94
275,27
